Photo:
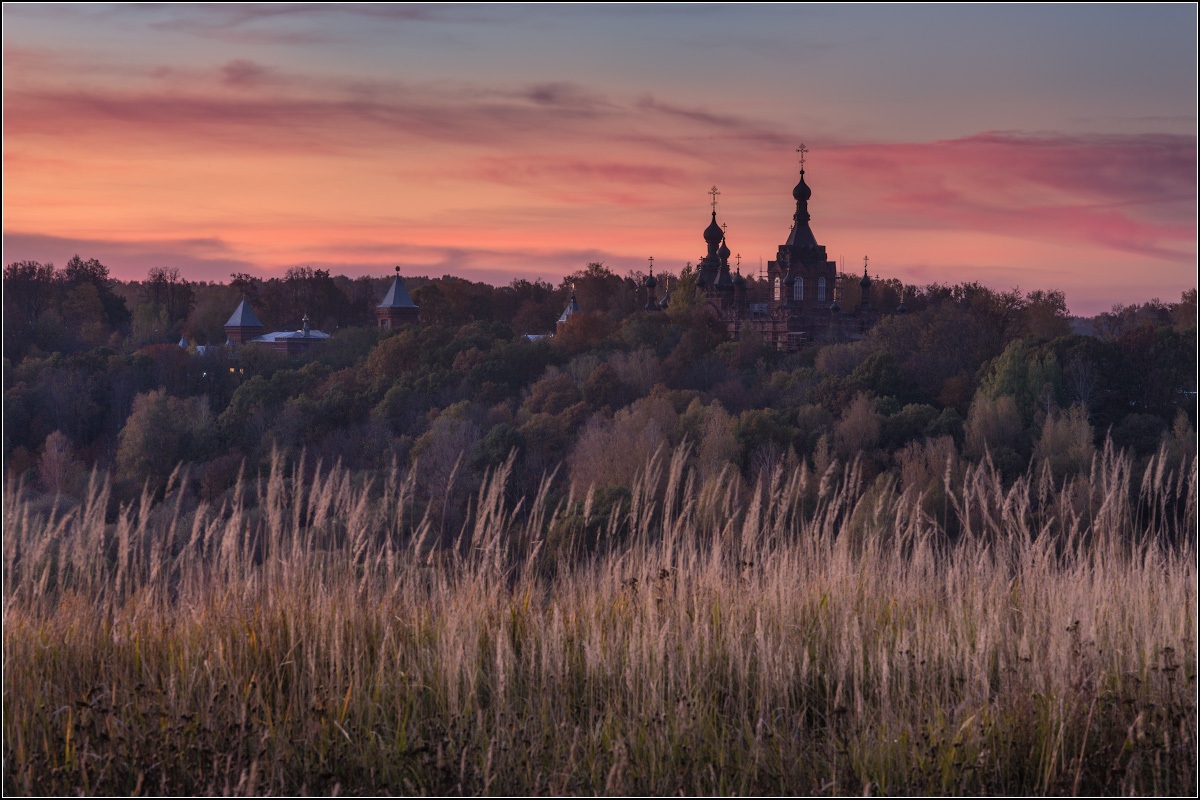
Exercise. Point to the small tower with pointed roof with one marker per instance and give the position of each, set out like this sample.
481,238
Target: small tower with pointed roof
244,325
397,308
571,310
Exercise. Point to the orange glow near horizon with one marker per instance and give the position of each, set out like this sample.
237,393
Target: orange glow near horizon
223,163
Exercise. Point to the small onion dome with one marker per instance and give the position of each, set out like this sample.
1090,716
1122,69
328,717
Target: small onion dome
789,279
713,233
651,281
738,280
866,280
724,252
802,192
665,302
901,309
835,308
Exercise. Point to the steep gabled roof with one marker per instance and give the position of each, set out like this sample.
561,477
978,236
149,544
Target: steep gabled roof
397,296
243,317
572,308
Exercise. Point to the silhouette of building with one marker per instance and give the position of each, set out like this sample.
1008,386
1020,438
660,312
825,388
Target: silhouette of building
794,301
571,309
244,328
397,308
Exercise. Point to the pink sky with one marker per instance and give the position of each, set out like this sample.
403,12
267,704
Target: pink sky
499,142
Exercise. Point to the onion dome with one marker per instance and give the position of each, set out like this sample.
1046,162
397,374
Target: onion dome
651,281
901,309
713,233
789,279
865,283
724,252
738,280
666,298
802,192
835,308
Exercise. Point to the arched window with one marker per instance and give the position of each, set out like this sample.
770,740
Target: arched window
798,290
820,290
778,292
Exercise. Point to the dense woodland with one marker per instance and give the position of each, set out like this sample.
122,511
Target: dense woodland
953,556
94,376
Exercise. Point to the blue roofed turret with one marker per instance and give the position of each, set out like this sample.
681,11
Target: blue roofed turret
397,296
243,317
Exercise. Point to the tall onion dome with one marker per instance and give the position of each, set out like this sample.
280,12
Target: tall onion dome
713,234
801,234
865,283
651,282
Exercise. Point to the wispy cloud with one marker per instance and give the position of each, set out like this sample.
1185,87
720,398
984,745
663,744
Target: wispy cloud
1132,193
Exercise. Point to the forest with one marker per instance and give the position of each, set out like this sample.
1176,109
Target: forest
952,555
94,376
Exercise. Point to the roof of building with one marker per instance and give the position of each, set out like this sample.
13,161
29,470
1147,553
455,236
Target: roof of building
713,233
397,296
275,336
572,308
243,317
801,235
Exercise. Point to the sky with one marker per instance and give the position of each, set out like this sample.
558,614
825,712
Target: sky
1026,146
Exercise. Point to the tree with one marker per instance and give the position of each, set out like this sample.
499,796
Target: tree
166,289
28,289
161,432
1067,444
79,272
992,425
858,430
597,288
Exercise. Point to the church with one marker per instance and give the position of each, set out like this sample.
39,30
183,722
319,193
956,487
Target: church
795,301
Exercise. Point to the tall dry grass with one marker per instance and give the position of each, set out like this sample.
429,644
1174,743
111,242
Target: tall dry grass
814,635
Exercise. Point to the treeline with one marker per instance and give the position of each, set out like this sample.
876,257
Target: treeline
968,373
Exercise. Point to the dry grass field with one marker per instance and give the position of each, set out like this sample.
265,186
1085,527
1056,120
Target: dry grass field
818,634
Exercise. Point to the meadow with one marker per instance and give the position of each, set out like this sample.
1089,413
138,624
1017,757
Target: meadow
817,633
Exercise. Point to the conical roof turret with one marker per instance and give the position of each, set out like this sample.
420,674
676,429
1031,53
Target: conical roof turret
243,317
397,296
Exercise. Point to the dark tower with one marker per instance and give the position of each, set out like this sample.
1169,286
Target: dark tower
397,308
243,325
801,263
651,282
571,310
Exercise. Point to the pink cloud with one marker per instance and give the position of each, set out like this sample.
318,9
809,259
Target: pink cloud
1128,193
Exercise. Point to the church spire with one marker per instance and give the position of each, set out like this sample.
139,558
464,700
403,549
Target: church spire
801,235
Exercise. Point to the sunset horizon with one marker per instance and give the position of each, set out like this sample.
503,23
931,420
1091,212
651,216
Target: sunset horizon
1003,145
